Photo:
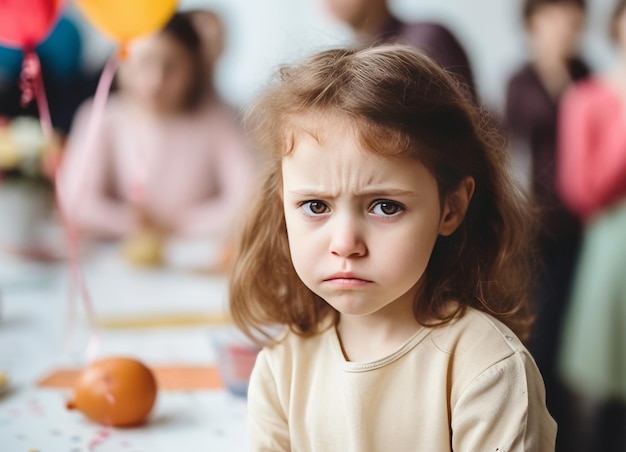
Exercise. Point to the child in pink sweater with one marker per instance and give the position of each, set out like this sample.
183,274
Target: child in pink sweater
167,154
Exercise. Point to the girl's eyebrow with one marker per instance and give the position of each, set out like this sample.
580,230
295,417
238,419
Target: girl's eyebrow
376,192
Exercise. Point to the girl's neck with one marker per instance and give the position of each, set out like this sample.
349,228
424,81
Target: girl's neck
150,113
375,336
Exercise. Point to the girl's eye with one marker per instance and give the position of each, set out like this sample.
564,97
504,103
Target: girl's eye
386,208
315,208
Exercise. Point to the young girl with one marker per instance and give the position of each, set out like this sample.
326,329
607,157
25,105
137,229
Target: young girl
168,153
389,241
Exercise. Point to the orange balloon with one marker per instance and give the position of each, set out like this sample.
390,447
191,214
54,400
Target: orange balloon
117,392
123,20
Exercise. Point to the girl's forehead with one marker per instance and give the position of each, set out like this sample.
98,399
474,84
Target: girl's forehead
334,130
321,126
334,151
338,165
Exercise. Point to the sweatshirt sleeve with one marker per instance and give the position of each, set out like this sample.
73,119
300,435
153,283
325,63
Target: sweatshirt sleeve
267,421
592,151
85,176
234,173
504,409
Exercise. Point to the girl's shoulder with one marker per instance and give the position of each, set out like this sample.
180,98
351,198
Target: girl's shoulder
476,329
475,341
214,116
475,336
114,111
216,109
109,120
477,344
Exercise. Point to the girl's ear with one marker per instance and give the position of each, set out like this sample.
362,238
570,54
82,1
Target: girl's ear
455,206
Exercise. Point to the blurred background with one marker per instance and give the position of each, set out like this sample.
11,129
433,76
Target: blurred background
259,37
156,200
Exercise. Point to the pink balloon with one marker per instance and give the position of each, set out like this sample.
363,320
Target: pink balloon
25,23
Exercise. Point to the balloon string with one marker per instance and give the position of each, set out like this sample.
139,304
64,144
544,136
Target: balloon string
71,301
79,285
31,84
95,119
31,71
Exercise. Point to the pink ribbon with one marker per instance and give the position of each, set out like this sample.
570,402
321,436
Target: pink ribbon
32,87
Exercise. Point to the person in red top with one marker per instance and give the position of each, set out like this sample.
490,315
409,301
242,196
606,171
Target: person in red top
593,144
592,182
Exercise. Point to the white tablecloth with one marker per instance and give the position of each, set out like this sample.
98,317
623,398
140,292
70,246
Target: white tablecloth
34,340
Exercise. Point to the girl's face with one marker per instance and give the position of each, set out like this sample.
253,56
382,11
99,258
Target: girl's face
361,227
159,73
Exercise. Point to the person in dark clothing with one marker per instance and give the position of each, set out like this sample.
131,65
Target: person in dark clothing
532,108
373,23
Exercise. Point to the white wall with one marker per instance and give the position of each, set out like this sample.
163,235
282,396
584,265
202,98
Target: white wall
264,34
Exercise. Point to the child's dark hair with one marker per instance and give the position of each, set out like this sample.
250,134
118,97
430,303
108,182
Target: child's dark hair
532,6
181,28
402,104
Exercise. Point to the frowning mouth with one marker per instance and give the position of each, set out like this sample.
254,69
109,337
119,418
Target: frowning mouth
346,279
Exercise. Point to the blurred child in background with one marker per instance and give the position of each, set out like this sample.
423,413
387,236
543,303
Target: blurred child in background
373,23
592,181
168,157
534,91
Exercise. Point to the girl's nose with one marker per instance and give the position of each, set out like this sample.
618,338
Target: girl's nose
347,239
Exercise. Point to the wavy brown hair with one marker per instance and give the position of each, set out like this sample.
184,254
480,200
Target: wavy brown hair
401,103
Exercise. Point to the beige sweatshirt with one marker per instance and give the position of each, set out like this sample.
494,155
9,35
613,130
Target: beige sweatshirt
467,386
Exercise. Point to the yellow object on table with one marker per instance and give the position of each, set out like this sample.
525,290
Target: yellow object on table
162,321
4,381
145,249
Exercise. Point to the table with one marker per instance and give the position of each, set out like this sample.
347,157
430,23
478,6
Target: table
34,340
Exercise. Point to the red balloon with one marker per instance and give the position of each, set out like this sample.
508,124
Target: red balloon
25,23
